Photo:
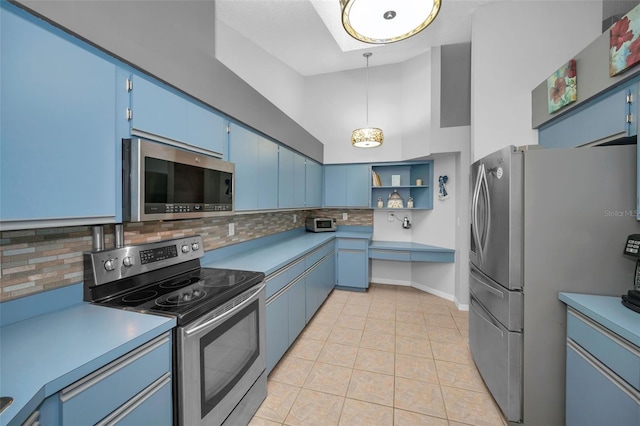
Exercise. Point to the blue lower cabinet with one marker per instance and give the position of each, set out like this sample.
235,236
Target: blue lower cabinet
141,378
595,396
297,308
353,264
277,329
320,281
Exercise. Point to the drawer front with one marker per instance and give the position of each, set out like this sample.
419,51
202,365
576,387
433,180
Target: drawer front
404,256
595,397
620,356
153,406
354,244
284,276
318,254
497,352
505,305
97,395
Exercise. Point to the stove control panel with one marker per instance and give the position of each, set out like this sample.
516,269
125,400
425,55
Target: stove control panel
109,265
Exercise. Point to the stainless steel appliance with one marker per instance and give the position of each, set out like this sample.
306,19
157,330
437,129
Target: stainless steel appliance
542,221
320,224
219,344
163,182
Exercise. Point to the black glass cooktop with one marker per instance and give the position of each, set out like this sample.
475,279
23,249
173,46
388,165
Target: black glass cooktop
188,295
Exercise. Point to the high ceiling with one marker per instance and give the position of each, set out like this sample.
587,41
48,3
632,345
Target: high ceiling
307,35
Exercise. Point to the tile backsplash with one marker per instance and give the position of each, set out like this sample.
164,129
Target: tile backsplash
35,260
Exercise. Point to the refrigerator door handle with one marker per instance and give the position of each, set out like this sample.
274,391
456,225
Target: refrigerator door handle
484,185
474,212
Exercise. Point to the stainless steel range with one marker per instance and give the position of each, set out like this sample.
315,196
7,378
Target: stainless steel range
219,343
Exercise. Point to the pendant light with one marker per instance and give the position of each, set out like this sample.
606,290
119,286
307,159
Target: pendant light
367,137
387,21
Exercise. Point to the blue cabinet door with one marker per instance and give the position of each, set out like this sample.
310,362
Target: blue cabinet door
206,130
352,268
291,179
335,185
346,185
267,181
277,329
358,185
601,119
313,184
297,309
299,180
157,111
57,126
285,178
594,397
243,151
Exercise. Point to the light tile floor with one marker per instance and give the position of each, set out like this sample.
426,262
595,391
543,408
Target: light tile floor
391,356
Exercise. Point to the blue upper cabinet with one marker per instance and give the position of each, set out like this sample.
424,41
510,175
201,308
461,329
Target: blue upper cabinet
206,129
159,112
267,181
57,131
608,117
243,151
291,179
256,175
347,185
313,184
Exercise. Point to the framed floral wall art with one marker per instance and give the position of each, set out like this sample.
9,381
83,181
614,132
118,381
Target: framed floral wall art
562,87
624,44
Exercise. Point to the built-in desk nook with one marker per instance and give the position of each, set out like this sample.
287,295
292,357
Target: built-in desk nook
410,252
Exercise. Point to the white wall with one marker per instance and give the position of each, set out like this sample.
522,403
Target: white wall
276,81
335,105
515,46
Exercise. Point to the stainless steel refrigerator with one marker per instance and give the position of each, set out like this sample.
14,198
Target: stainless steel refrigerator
543,221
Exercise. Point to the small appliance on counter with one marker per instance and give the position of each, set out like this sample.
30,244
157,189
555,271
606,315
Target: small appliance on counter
321,224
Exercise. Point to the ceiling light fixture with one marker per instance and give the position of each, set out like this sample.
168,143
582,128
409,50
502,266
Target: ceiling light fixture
367,137
387,21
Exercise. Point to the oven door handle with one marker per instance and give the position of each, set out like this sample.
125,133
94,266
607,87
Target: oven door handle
249,298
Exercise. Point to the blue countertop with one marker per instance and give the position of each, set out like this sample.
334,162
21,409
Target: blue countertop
271,257
607,311
41,355
409,246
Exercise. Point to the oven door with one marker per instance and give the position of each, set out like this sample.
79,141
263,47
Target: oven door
219,358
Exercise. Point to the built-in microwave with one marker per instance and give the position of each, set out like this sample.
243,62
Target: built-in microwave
163,182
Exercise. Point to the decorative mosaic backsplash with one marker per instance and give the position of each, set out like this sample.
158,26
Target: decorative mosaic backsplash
35,260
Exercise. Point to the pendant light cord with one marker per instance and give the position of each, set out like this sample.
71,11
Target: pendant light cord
366,55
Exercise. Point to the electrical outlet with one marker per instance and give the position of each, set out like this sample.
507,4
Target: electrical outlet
295,216
232,229
390,217
345,216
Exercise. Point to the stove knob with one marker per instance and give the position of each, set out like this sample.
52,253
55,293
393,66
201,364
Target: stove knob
196,293
110,265
195,246
185,248
127,261
186,297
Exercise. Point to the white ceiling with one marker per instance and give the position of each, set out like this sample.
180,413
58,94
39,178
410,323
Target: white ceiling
307,35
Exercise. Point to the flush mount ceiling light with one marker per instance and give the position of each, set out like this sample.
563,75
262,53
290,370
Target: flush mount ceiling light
367,137
387,21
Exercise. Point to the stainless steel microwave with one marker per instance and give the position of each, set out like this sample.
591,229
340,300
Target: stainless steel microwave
163,182
320,224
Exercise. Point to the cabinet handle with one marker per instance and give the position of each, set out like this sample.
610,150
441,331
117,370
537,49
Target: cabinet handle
87,382
136,401
129,85
605,371
129,114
